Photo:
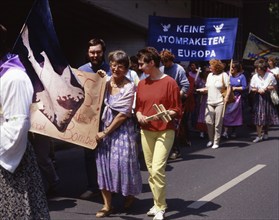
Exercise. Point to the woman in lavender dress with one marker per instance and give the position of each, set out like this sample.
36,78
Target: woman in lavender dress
116,158
264,110
233,114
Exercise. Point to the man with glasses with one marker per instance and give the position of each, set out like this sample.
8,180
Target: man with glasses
96,61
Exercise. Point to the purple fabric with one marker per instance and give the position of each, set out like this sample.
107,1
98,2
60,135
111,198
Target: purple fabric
122,104
116,157
233,114
201,116
10,61
238,80
265,112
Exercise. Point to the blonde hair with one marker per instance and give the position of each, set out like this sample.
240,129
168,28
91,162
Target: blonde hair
218,65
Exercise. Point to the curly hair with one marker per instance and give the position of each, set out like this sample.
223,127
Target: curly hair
218,65
261,64
166,55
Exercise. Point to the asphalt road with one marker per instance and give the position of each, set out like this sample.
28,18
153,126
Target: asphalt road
239,180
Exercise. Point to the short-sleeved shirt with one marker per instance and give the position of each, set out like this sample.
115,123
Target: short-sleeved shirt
214,85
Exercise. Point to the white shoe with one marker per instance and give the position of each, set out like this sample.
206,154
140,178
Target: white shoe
257,139
209,143
152,212
202,135
215,146
160,215
265,137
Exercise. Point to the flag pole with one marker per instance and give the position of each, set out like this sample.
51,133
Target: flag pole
24,25
225,104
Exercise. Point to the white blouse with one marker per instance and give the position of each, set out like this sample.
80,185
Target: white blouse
262,82
16,92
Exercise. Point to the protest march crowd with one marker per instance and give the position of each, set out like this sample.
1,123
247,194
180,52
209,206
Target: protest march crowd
150,105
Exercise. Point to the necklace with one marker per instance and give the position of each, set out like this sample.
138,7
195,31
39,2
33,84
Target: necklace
116,85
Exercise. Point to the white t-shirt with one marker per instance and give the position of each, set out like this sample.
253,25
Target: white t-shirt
214,85
16,92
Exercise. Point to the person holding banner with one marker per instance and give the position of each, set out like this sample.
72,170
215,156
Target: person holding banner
96,61
22,193
215,107
157,135
116,154
264,111
233,113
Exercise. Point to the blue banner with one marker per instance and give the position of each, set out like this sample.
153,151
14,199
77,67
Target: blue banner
194,39
57,92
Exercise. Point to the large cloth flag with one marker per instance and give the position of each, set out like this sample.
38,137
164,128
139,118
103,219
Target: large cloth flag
194,39
66,102
258,48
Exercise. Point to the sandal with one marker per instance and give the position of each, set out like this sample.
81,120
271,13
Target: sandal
104,212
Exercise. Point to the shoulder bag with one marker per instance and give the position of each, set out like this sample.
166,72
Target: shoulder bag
224,91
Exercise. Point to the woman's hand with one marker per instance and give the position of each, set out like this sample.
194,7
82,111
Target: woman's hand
226,99
202,90
100,136
101,73
261,91
141,118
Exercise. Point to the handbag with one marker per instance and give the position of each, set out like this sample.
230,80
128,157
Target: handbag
224,91
274,97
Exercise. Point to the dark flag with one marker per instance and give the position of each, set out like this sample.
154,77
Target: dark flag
57,92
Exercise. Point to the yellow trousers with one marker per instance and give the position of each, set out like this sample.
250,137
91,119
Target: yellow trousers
156,146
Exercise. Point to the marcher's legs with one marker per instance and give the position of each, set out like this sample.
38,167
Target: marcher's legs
156,148
42,145
218,123
210,119
91,169
107,199
259,130
214,122
107,208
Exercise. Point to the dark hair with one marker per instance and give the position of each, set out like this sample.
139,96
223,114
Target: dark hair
3,40
148,54
134,59
261,64
272,58
237,65
96,41
120,57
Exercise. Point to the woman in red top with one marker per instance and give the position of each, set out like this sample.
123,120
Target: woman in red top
157,136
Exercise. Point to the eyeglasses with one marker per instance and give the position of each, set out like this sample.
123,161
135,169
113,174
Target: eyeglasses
117,66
